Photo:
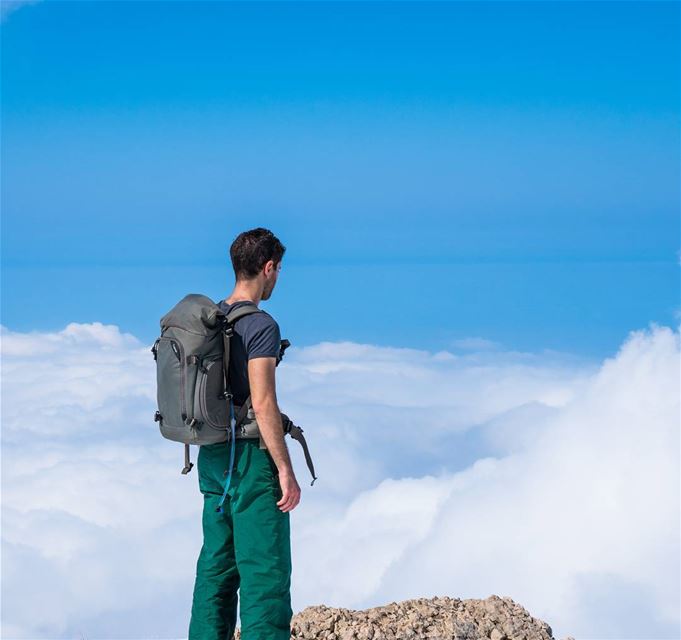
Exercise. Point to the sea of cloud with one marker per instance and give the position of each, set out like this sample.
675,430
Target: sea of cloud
545,477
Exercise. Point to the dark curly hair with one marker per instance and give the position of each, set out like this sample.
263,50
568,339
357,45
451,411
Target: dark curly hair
252,249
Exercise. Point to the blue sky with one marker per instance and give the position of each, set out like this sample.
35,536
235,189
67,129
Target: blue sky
506,171
480,204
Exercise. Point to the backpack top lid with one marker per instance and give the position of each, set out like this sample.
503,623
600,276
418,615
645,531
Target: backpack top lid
196,313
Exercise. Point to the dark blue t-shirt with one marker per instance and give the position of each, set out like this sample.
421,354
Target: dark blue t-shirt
255,336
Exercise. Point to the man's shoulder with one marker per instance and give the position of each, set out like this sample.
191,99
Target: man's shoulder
262,321
267,317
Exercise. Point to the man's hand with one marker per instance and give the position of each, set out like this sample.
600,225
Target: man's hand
290,491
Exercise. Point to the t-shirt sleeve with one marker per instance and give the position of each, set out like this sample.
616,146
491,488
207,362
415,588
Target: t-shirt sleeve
263,338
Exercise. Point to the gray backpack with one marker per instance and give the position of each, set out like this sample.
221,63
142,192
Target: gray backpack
192,377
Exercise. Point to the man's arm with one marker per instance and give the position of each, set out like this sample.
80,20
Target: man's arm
261,379
264,400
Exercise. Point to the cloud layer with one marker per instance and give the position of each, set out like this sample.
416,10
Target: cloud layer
541,476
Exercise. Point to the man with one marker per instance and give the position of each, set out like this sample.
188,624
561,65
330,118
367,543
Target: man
247,546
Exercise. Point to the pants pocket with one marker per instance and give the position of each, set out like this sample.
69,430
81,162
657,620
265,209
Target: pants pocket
272,474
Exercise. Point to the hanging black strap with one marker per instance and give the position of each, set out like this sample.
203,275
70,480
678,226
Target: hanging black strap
297,434
187,464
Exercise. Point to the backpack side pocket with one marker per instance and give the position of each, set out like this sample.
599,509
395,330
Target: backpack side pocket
211,407
171,385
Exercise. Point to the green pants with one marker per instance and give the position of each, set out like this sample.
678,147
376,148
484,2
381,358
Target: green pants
247,548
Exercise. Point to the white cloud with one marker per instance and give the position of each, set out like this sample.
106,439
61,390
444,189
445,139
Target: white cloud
595,495
544,477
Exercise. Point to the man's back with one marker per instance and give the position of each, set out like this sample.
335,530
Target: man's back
255,336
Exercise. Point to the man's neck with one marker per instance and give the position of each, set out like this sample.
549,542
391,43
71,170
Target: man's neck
242,294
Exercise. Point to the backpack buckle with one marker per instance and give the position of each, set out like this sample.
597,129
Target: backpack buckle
283,345
158,417
229,331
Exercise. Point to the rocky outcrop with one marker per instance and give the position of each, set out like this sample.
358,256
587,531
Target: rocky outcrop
439,618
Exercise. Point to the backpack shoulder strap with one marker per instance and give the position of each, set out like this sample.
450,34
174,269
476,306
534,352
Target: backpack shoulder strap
245,309
231,317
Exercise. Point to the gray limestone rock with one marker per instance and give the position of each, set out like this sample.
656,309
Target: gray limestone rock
437,618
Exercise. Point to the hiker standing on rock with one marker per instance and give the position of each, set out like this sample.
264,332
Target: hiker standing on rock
246,540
